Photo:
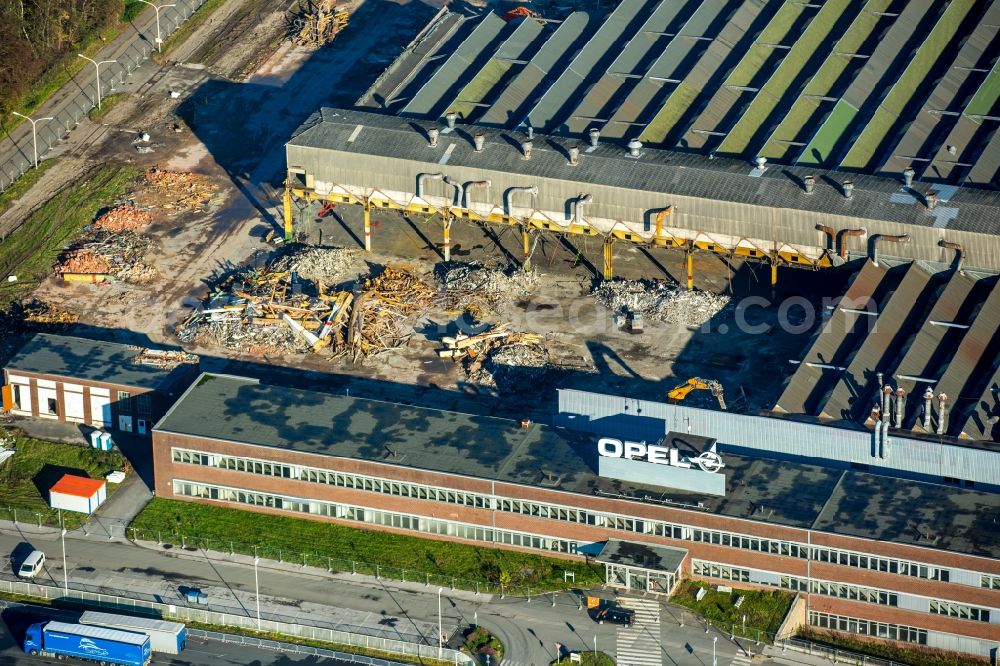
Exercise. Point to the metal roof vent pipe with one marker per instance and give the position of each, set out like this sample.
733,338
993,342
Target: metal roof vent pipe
886,397
842,236
810,184
848,188
526,147
931,200
531,132
485,184
479,141
904,238
432,135
634,147
942,412
581,200
928,397
508,195
958,248
459,190
451,117
900,406
760,162
884,453
574,155
422,177
595,137
908,174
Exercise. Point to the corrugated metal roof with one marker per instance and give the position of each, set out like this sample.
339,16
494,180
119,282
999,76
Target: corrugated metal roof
544,67
104,633
131,621
986,170
855,391
980,424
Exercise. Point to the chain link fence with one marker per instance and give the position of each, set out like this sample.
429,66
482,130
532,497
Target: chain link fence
112,80
267,623
342,565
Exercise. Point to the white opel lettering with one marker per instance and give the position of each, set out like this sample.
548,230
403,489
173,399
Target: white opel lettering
707,461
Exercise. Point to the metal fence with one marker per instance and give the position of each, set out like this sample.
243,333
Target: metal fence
223,619
835,655
342,565
112,80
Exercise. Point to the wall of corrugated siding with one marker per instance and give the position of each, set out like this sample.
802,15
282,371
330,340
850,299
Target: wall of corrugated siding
634,207
643,419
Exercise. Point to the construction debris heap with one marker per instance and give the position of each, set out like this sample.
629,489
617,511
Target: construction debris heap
659,301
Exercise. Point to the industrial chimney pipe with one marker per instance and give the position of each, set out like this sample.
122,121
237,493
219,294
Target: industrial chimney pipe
432,135
928,397
459,190
886,408
574,155
422,177
842,239
942,412
908,174
508,195
958,248
905,238
595,136
848,188
582,200
475,183
634,147
451,117
809,182
479,141
830,234
931,200
526,147
900,406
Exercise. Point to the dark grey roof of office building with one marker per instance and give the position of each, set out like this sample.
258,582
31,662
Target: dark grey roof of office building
89,360
800,495
642,555
685,174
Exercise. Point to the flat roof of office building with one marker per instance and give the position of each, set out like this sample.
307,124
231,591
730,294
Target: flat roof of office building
849,502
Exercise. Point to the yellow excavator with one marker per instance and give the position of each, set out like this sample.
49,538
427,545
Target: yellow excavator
678,393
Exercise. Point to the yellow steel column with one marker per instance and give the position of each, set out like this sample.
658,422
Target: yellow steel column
609,269
774,274
288,214
368,225
447,236
690,269
526,240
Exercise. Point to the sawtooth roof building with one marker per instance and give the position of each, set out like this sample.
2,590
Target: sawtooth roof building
872,536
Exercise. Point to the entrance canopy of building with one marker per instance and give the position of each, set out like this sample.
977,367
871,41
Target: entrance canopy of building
641,566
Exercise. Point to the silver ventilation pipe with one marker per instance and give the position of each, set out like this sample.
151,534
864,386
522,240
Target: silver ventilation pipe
475,183
878,439
928,397
574,155
810,183
886,397
422,178
942,412
904,238
479,141
848,189
582,200
900,406
595,137
908,174
931,200
634,147
451,117
884,453
508,195
432,135
526,147
459,190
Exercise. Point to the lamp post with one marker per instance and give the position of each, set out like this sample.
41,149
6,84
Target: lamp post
97,67
159,42
34,134
715,661
63,538
440,625
256,584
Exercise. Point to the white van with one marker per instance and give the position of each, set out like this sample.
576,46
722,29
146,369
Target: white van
32,564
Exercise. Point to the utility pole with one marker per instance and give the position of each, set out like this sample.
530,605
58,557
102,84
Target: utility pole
97,67
159,41
63,537
440,625
256,585
34,134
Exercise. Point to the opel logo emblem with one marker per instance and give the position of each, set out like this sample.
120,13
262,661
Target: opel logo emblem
709,461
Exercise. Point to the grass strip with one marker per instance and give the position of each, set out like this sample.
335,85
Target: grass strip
30,251
587,659
108,103
293,539
36,465
763,610
915,655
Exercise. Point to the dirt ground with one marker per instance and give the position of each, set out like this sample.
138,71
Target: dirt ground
234,133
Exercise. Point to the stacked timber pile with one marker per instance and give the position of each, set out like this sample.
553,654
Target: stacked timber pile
318,24
481,291
176,190
659,301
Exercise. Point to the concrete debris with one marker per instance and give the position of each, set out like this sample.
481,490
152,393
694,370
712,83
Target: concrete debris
510,364
163,358
331,266
481,290
657,301
101,253
123,218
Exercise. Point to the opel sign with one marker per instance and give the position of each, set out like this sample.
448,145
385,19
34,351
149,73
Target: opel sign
708,461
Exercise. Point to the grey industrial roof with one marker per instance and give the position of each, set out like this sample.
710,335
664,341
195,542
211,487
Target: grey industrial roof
642,555
241,410
88,360
684,174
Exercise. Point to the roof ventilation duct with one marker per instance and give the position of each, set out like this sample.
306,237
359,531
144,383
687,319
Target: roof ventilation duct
931,200
595,137
760,162
848,188
526,147
958,249
886,398
580,201
432,135
459,190
508,195
928,397
942,412
634,147
479,141
451,117
574,155
908,174
485,184
810,184
531,132
421,178
900,405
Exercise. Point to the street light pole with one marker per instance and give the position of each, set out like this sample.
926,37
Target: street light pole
34,134
440,625
63,537
256,584
97,66
159,42
715,662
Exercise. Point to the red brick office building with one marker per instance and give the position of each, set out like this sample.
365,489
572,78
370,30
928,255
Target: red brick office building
873,555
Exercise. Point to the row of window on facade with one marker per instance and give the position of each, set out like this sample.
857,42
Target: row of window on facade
45,400
892,632
839,590
568,514
537,542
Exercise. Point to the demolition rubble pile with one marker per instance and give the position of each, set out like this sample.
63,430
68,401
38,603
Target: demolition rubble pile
329,266
163,359
498,357
103,254
176,190
481,290
659,301
123,218
274,311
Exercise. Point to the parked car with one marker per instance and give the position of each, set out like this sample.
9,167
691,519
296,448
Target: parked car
616,615
32,564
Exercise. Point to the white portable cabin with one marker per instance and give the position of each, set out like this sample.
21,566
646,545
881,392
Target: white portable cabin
77,493
164,636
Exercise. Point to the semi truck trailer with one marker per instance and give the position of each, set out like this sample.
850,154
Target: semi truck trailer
100,644
164,636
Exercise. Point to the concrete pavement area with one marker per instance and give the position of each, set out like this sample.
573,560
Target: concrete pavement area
530,630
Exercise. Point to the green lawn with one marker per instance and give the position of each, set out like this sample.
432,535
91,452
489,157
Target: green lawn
23,184
985,99
301,540
764,610
36,465
680,100
770,95
825,140
108,103
882,122
587,659
916,655
31,251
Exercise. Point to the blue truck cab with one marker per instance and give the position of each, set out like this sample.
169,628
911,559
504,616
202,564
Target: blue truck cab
100,644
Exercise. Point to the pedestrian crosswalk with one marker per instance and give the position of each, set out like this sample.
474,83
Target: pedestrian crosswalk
741,660
639,645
